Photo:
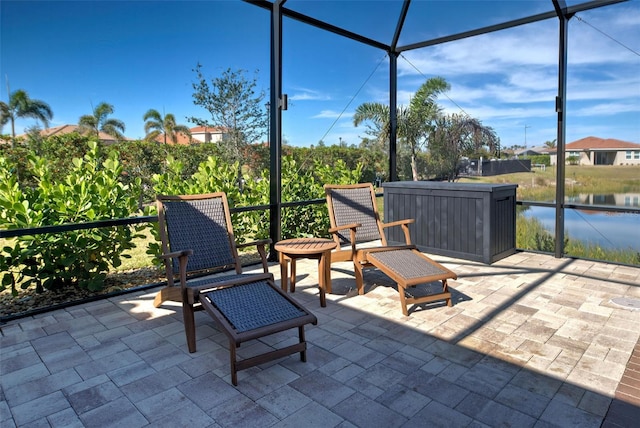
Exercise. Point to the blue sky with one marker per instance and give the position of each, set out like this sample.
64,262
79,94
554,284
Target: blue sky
138,55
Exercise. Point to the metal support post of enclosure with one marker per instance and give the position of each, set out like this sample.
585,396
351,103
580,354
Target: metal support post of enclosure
561,102
275,113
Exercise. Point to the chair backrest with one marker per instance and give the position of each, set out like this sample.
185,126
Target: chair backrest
354,203
201,223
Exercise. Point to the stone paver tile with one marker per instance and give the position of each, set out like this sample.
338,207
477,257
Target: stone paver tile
606,369
347,373
362,411
493,413
365,388
283,401
562,414
24,375
403,400
522,400
152,384
77,327
65,358
536,382
105,349
125,374
484,380
593,381
106,364
66,418
622,414
18,358
116,414
595,403
322,388
403,362
241,412
5,413
164,356
263,380
39,408
208,391
144,340
359,354
30,390
439,415
382,375
436,388
54,342
170,404
313,415
94,397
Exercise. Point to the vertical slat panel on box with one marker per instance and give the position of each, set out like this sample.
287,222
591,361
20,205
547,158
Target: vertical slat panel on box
468,221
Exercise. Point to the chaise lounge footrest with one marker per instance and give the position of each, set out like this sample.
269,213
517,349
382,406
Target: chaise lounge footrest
253,310
409,267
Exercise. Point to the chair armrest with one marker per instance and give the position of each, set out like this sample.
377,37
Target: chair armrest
177,254
398,223
183,257
344,227
405,227
260,244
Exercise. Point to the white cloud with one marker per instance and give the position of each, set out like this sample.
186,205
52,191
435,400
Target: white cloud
304,94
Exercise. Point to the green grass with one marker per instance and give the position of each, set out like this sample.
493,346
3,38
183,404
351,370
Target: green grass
541,185
138,257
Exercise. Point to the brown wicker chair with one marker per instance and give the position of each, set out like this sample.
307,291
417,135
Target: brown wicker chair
197,239
355,223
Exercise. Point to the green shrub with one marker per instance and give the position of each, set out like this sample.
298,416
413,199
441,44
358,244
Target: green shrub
214,175
91,191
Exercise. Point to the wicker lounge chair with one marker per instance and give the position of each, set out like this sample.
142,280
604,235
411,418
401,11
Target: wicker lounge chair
359,233
197,238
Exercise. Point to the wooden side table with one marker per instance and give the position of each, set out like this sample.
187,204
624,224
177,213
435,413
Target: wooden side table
309,248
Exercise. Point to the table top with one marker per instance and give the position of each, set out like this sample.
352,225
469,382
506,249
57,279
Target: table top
305,245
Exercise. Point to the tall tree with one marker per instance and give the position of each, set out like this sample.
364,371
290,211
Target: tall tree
234,105
415,122
156,125
100,121
21,106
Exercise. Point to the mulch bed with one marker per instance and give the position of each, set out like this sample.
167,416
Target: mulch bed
29,301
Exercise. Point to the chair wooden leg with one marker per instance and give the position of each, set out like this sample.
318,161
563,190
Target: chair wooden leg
357,270
403,300
189,326
303,354
234,368
445,289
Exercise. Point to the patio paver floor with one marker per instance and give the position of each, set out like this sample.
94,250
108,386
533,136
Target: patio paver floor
530,341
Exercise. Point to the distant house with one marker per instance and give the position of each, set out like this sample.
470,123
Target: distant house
68,129
599,151
199,134
533,151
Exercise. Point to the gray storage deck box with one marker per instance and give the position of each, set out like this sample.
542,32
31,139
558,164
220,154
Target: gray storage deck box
468,221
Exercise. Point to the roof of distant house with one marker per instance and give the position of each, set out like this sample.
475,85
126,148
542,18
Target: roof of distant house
185,140
595,143
68,129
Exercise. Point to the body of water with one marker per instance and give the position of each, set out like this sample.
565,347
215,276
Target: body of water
609,230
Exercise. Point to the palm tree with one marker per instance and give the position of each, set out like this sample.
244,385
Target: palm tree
99,122
455,136
550,144
415,122
20,105
156,125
